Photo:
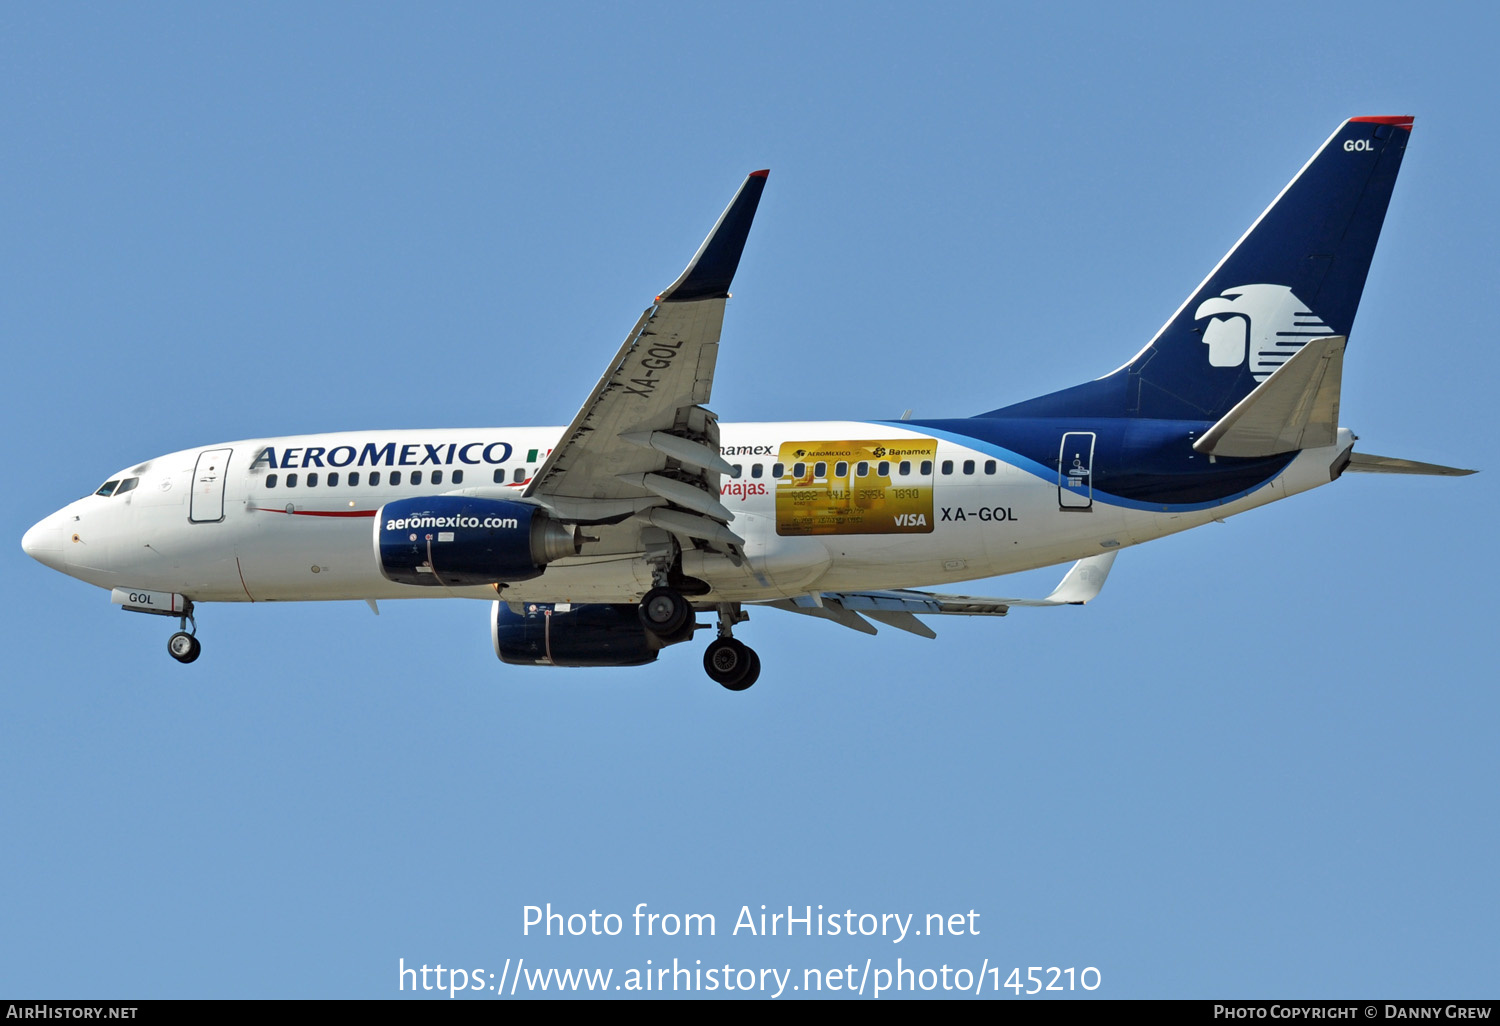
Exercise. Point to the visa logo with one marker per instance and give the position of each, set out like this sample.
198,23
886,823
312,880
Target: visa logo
911,519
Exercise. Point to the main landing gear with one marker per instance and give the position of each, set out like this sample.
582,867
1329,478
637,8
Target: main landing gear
669,616
731,663
665,612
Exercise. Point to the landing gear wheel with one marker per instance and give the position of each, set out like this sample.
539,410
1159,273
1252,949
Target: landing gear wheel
184,647
664,612
732,664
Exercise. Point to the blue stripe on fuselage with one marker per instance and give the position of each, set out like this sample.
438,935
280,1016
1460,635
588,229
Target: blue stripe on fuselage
1138,463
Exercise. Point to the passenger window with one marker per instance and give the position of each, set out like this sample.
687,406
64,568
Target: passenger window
841,469
500,476
519,475
333,479
778,470
863,470
799,470
885,468
108,488
968,466
270,480
458,477
291,480
820,470
312,480
374,478
395,477
416,477
353,478
926,467
736,470
757,469
989,466
905,468
437,477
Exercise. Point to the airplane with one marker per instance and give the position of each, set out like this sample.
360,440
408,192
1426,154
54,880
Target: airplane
599,543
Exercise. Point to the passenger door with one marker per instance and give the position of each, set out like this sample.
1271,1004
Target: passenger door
209,477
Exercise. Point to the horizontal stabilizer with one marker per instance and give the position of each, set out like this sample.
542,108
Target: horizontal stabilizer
1297,407
898,608
1365,463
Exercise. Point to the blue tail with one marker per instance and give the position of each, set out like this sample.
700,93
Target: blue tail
1297,274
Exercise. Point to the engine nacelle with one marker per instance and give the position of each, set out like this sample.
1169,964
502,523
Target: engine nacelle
546,634
456,540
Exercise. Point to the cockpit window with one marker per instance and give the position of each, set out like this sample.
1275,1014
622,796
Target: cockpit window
107,488
127,485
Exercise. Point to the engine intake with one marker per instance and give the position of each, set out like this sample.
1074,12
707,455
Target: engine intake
457,540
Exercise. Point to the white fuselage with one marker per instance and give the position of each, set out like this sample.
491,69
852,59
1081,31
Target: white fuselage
292,518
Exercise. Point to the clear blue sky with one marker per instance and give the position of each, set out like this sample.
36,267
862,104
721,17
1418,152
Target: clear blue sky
1263,763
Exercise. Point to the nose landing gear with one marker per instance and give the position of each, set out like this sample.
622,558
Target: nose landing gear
184,647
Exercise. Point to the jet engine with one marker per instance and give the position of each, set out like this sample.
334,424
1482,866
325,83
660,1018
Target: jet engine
548,634
456,540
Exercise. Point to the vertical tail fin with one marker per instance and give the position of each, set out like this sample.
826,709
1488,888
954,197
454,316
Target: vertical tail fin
1296,275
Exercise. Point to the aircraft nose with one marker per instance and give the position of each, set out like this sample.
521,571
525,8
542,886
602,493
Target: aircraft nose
43,542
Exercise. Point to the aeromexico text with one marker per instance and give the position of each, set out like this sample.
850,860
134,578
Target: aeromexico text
391,454
418,454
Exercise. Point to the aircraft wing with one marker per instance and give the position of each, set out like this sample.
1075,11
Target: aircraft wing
900,608
644,440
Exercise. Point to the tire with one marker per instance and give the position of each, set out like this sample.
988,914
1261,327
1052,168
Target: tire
664,612
183,647
731,664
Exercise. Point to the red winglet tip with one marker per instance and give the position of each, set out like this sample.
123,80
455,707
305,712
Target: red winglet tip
1399,120
760,174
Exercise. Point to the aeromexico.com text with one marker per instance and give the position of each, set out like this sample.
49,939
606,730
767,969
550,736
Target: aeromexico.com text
427,522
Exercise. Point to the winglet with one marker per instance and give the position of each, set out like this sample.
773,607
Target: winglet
712,268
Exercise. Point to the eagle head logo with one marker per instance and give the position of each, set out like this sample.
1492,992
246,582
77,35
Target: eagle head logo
1265,323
